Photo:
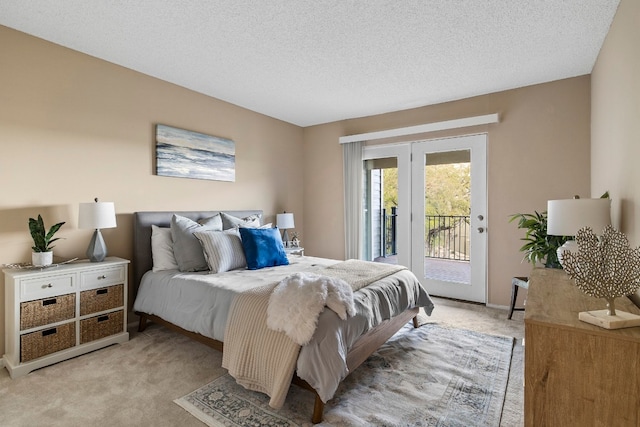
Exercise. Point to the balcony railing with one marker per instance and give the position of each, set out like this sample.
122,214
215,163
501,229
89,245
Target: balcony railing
389,230
447,237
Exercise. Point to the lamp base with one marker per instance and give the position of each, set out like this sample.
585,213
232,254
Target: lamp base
622,319
97,250
285,238
569,245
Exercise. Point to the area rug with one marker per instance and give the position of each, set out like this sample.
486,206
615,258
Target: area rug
430,376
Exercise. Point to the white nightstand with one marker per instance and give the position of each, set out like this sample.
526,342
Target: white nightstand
53,314
294,251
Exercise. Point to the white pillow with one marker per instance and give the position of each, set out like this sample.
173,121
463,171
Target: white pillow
162,249
222,250
230,221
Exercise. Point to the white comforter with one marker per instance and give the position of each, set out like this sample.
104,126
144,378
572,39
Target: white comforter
199,302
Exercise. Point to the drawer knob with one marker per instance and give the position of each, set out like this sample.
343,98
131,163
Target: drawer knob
102,277
47,286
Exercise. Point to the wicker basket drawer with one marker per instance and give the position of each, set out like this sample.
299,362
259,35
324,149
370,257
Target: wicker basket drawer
47,341
97,327
101,299
47,310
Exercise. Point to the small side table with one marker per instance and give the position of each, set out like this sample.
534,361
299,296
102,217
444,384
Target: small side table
293,250
516,283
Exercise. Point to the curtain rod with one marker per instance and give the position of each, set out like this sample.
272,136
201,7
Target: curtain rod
429,127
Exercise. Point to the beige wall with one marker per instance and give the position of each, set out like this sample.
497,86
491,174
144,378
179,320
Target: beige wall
615,120
73,127
538,151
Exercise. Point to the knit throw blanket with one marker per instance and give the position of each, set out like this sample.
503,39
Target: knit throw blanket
361,273
264,360
259,358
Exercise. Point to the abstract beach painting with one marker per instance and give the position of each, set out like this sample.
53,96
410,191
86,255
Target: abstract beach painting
187,154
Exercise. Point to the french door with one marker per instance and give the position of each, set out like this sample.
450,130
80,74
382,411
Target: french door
425,208
449,206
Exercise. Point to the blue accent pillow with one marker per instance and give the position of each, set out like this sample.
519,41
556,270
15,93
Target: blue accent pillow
263,248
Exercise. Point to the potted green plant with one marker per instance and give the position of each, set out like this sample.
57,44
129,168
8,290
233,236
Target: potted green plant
539,246
42,239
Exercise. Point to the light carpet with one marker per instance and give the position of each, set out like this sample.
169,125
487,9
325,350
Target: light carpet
430,376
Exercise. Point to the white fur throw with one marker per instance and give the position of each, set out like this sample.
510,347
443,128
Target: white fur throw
298,300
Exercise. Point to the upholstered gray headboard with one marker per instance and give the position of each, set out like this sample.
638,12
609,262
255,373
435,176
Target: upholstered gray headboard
142,222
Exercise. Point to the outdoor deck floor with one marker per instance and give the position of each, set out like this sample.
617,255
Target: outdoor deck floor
440,269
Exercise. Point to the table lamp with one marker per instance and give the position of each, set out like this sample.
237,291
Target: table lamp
97,215
284,221
565,217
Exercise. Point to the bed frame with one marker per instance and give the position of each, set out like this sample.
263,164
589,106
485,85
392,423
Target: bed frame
366,345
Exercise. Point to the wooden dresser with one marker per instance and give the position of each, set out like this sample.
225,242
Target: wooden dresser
577,374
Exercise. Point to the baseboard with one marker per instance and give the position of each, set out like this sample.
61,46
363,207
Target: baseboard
2,363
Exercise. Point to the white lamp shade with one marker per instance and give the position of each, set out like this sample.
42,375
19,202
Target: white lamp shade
566,217
284,221
97,215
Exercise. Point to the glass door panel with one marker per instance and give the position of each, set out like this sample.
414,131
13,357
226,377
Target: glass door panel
381,207
387,180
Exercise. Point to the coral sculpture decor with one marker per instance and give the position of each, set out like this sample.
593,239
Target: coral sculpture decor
608,268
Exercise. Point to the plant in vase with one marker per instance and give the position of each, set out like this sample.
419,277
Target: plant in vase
42,239
539,247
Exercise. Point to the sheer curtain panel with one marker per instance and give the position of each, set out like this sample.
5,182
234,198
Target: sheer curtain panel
352,164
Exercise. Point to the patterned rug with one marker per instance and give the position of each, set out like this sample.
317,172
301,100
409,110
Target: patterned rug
430,376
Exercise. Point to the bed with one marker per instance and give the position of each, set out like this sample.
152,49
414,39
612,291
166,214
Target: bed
197,303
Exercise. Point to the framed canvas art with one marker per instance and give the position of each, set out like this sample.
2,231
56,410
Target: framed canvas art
186,154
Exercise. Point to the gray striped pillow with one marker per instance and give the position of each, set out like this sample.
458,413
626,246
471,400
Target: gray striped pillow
222,250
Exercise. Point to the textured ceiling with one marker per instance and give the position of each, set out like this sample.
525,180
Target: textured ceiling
316,61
